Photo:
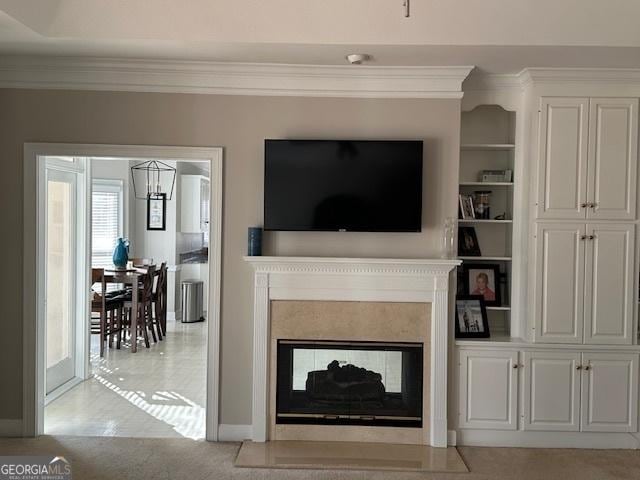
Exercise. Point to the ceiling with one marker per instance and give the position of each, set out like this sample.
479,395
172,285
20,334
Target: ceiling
499,36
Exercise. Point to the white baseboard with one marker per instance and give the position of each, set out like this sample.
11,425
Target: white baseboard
174,316
10,427
452,438
234,433
495,438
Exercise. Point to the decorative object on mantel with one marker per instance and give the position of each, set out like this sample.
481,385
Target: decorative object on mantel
471,317
448,238
254,246
153,174
468,245
157,211
483,279
466,207
121,253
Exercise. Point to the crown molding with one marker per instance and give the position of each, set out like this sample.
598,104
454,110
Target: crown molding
591,76
481,82
134,75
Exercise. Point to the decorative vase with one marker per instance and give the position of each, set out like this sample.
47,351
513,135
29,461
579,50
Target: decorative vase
121,253
255,242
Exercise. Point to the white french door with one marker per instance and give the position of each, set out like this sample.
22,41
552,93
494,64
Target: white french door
62,307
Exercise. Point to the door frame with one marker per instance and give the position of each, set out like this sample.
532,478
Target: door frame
33,361
81,170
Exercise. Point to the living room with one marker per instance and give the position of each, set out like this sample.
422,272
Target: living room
528,154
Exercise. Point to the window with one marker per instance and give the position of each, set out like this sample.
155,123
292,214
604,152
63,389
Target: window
106,220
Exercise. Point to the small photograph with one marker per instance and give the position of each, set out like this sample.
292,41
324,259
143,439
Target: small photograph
471,317
483,280
466,207
468,245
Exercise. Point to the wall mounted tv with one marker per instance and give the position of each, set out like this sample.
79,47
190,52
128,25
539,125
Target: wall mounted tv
343,185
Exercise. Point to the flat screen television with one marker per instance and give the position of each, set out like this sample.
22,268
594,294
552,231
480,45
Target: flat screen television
343,185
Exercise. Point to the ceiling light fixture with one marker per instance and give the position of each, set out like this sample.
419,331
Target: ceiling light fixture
358,58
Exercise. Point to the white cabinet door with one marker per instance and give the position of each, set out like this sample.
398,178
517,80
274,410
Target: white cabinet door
562,158
609,283
488,390
610,392
551,391
559,282
613,158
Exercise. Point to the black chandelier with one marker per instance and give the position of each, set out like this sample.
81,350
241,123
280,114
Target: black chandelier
153,174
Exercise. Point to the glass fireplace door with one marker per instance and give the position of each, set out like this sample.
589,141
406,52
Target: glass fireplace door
352,383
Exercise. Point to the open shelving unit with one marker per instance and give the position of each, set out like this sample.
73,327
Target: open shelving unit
488,143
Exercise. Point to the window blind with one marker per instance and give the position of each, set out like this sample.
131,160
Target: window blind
106,221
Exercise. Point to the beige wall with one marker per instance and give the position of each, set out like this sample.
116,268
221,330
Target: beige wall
239,124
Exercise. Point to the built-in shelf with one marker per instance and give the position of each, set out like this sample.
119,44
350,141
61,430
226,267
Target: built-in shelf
500,309
478,220
486,258
486,184
487,146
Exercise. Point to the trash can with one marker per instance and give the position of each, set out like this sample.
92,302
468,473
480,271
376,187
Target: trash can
192,301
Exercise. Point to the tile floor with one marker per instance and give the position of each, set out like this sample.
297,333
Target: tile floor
155,393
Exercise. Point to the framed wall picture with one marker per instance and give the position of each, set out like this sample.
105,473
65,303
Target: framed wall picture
466,207
468,245
157,211
483,279
471,317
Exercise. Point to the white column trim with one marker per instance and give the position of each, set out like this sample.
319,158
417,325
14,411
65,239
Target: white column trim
353,279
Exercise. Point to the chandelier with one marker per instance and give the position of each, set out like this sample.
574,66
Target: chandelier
152,178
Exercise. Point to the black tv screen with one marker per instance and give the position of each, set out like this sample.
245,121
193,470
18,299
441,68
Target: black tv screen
339,185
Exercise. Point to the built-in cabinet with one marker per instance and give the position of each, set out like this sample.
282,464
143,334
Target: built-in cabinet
574,373
584,288
554,390
194,198
588,158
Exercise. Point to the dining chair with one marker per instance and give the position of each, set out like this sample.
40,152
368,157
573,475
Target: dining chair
145,308
108,321
160,301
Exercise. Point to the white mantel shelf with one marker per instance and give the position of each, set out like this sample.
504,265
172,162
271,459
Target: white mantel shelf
419,280
308,263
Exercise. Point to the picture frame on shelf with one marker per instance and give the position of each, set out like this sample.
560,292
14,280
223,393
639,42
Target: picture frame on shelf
157,211
483,279
466,206
468,245
471,317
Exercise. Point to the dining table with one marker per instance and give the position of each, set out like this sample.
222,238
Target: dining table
128,276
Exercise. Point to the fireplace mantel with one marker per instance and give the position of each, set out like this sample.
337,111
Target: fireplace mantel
353,279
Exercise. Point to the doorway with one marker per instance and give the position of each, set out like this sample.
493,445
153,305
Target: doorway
58,343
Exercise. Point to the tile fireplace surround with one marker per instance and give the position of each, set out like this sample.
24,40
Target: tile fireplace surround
418,281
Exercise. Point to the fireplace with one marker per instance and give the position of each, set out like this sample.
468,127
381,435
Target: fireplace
349,383
383,307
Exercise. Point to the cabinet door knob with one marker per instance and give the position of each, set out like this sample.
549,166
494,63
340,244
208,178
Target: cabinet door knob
578,367
584,205
588,367
515,365
591,237
583,237
593,205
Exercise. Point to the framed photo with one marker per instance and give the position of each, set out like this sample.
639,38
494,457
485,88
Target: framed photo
483,279
466,207
471,317
468,245
157,211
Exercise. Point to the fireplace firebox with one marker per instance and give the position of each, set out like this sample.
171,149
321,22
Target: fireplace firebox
349,383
